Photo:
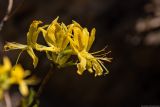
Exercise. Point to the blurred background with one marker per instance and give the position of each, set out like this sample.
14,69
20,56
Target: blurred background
130,29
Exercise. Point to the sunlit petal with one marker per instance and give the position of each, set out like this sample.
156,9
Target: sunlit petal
33,56
12,45
82,65
23,88
91,39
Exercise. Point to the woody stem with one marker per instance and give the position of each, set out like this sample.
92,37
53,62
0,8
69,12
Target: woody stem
44,81
7,99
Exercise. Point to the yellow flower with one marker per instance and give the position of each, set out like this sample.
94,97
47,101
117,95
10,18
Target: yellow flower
14,75
81,42
18,75
32,37
4,71
31,41
6,66
56,36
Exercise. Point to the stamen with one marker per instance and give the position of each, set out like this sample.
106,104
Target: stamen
104,59
101,63
102,55
102,50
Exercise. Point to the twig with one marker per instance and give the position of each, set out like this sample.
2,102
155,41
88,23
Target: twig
44,81
9,8
10,5
16,9
7,99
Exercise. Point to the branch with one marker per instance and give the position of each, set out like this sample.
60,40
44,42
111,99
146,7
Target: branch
42,85
44,81
7,99
5,18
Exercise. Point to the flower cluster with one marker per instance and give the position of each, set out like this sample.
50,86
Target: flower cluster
63,41
13,75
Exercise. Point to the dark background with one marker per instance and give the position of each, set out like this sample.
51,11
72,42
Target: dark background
125,26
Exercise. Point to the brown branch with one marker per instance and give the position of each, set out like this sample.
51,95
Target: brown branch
44,81
5,18
10,5
7,99
42,85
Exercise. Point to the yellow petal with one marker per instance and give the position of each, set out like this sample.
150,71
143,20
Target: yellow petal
76,24
7,63
90,70
89,66
84,38
6,66
17,72
91,39
76,36
55,20
65,43
33,56
33,80
82,65
70,28
42,29
23,88
60,35
73,45
27,73
50,36
13,45
45,48
32,35
64,27
67,33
